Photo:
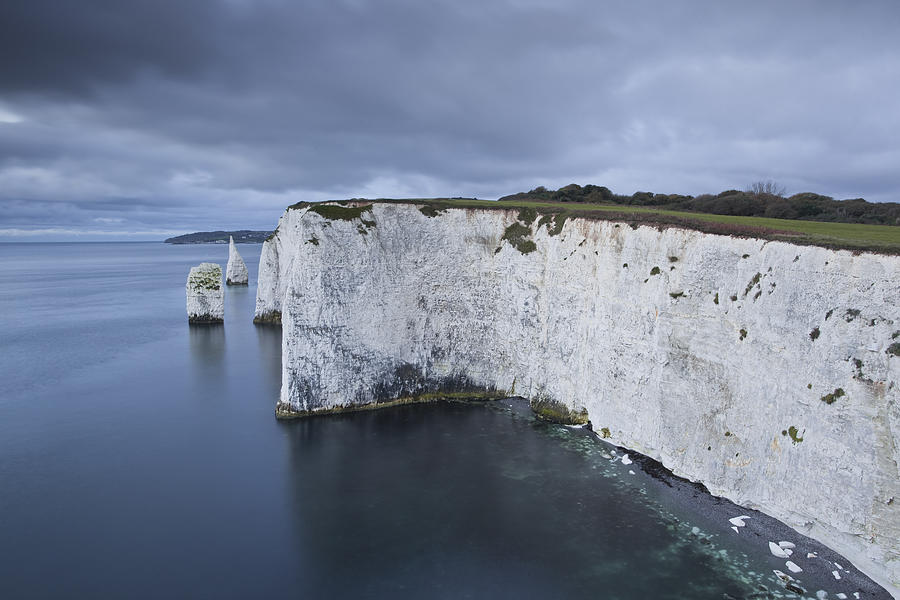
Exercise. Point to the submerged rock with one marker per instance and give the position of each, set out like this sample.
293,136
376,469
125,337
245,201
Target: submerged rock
205,295
236,271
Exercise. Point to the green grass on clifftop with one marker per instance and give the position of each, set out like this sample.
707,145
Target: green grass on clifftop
883,239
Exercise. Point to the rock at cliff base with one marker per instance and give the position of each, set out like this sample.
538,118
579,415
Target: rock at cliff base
550,410
738,521
205,295
236,271
272,317
777,550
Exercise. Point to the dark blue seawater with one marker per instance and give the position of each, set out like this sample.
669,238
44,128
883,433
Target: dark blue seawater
140,458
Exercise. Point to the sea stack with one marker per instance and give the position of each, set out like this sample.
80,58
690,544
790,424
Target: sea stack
236,272
205,296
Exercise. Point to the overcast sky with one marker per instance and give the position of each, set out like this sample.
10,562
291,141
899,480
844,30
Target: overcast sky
134,119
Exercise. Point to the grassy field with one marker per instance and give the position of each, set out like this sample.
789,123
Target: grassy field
883,239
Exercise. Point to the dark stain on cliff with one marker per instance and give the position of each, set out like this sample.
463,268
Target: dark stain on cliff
409,381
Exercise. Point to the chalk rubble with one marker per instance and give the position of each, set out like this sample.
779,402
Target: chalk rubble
236,271
777,550
205,294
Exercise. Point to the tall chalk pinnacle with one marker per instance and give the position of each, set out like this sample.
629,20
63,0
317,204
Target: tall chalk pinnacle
236,272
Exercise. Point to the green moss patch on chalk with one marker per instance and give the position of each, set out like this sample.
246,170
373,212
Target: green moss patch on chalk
553,411
833,396
334,212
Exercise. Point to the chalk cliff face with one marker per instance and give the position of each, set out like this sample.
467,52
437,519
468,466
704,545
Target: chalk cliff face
272,274
205,296
236,271
762,369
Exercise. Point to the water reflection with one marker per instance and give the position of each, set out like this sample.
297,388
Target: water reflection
207,346
448,500
268,338
239,301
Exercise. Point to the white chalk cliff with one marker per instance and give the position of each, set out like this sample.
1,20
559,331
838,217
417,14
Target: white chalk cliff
236,270
205,295
765,370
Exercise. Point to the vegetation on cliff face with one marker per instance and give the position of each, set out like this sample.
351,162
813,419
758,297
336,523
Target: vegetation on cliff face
833,396
793,433
553,222
550,410
336,212
518,236
430,211
205,277
519,233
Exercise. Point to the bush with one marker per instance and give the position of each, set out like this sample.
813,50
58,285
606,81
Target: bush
763,199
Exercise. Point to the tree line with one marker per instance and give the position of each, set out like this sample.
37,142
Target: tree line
762,199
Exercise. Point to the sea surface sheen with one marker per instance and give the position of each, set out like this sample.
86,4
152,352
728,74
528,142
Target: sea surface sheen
140,458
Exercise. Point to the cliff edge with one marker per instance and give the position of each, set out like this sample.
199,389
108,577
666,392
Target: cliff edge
765,370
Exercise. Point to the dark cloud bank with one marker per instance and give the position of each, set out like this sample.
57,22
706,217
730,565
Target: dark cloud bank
153,117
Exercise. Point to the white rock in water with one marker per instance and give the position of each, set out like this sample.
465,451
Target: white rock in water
626,460
841,596
787,544
236,271
738,521
736,530
792,567
836,575
388,302
777,550
205,295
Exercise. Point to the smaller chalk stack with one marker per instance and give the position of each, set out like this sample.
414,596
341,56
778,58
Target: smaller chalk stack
205,295
236,271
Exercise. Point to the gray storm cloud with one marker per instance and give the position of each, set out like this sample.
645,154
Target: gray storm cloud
129,119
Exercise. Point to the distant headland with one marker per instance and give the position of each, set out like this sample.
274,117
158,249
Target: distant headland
244,236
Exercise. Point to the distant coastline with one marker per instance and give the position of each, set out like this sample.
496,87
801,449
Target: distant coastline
243,236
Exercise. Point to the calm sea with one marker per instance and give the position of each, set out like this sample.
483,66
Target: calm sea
140,458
